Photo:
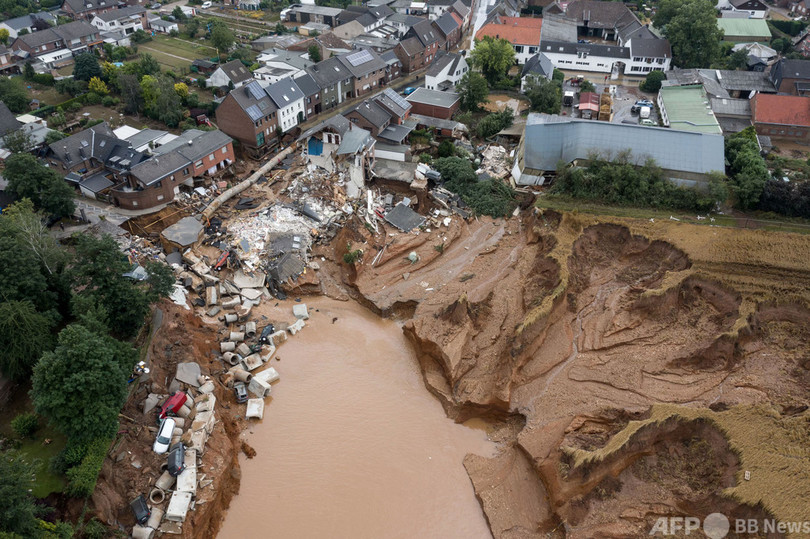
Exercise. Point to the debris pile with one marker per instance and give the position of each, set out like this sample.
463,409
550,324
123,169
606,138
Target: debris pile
495,162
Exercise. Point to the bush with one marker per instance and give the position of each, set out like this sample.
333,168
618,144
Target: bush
95,530
70,456
92,98
82,478
108,101
488,197
791,28
350,257
652,83
25,425
447,149
495,122
425,158
44,78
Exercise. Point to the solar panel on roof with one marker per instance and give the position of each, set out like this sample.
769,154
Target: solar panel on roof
254,112
359,58
396,98
255,90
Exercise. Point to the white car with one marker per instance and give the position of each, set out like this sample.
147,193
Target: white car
164,436
206,5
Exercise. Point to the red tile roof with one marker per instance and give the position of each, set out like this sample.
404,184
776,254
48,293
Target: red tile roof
782,109
516,30
457,19
589,101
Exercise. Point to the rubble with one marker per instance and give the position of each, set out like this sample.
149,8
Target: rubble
255,409
300,311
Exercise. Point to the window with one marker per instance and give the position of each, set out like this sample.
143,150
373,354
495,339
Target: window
158,185
198,164
636,59
134,202
532,50
172,177
224,150
160,197
519,49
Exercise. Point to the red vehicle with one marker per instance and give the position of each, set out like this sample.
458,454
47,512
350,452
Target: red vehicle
223,258
173,405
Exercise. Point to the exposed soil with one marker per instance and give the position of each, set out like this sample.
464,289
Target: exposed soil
569,331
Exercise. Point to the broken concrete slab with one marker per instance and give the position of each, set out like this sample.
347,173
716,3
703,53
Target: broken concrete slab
206,403
251,294
198,440
184,233
278,337
255,408
189,372
213,311
187,481
178,506
242,280
267,352
150,403
231,303
207,387
173,528
243,350
268,375
253,361
259,388
300,311
296,327
142,532
243,312
404,218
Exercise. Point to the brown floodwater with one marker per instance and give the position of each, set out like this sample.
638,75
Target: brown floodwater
352,445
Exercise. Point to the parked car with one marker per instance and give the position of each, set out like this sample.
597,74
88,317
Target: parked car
177,459
140,510
206,5
409,90
240,391
647,122
644,103
164,436
267,330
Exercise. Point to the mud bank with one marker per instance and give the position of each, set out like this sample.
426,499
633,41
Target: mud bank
351,444
565,333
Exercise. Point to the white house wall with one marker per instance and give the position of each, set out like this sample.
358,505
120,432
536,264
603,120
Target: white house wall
604,64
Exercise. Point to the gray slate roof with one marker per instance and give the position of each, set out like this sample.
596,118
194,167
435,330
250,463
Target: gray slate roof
8,122
328,72
122,13
558,28
354,140
151,170
650,48
80,6
433,97
307,85
550,139
539,64
412,46
26,21
205,144
74,30
722,106
97,142
407,20
236,71
609,51
284,92
600,14
373,113
446,23
425,32
245,97
459,7
374,63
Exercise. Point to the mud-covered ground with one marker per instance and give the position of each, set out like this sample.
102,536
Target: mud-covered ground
566,335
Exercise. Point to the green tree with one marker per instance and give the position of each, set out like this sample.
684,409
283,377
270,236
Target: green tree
314,53
97,86
587,86
81,385
86,67
545,96
652,82
495,122
493,57
455,169
13,94
28,71
192,27
748,172
24,335
147,65
54,136
692,31
18,141
178,14
221,37
4,35
30,178
737,60
472,90
131,93
18,512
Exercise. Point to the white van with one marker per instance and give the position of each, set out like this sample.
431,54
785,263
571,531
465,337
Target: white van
644,112
206,5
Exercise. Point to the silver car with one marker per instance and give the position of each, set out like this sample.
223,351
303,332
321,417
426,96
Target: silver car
164,436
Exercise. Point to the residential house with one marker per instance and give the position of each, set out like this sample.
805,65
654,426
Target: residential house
393,69
87,9
744,30
356,155
369,18
320,143
86,152
369,115
609,59
759,56
328,44
801,43
367,68
61,41
784,117
310,13
800,7
411,54
687,108
791,76
283,41
144,140
312,94
522,33
349,30
30,23
437,8
127,20
375,41
403,22
7,63
733,115
163,27
206,67
248,115
428,37
397,106
536,68
8,122
551,139
334,80
232,74
185,160
34,129
434,103
463,11
446,71
599,19
290,102
754,9
449,27
277,64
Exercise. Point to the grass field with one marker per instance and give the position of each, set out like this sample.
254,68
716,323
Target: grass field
176,53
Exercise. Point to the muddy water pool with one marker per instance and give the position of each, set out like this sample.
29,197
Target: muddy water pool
352,444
